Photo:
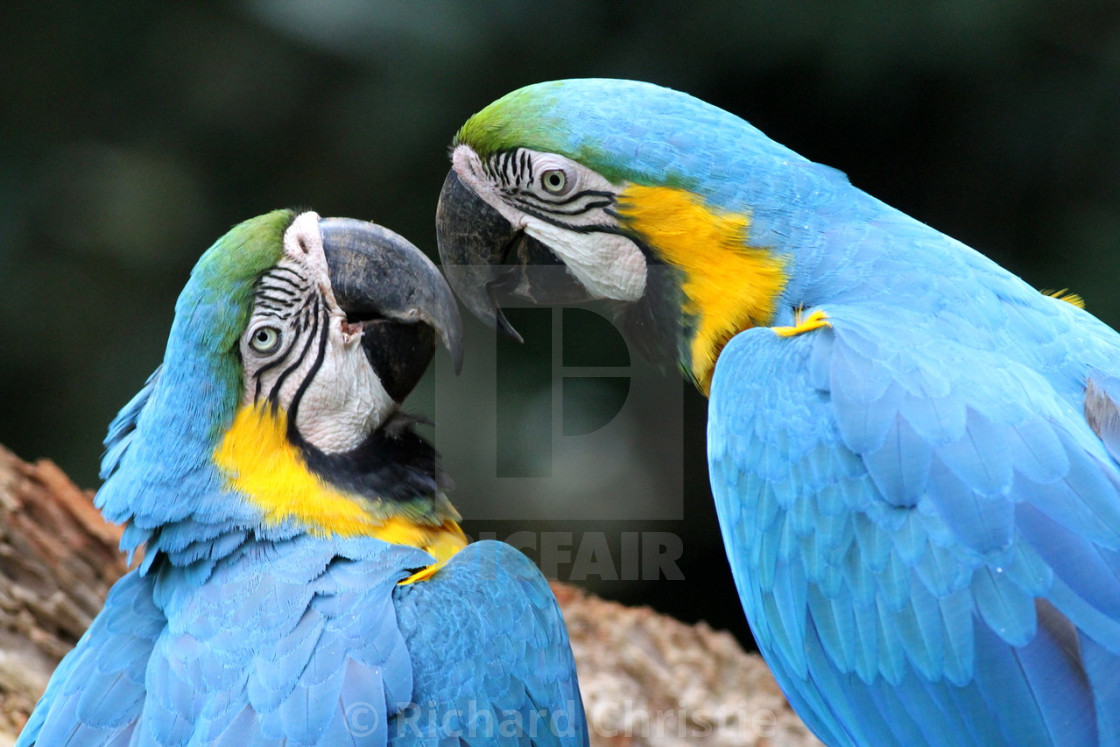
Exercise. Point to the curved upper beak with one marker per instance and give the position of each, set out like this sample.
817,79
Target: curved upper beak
397,294
488,260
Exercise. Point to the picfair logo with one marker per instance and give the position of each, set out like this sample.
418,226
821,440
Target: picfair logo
570,425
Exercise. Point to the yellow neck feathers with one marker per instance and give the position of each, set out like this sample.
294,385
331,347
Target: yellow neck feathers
728,285
261,463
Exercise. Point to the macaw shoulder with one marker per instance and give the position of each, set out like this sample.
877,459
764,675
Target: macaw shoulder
487,636
490,570
1030,353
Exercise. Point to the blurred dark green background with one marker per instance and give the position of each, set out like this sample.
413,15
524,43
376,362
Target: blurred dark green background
135,133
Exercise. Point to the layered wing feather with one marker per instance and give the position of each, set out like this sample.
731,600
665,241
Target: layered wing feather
293,644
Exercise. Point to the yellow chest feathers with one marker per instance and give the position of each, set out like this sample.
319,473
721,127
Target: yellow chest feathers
728,285
261,463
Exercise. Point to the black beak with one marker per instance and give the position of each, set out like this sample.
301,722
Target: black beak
397,295
488,260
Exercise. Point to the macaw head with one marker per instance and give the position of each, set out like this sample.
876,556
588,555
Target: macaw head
675,211
276,408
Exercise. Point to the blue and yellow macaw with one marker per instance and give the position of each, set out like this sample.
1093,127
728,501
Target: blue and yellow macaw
913,453
304,579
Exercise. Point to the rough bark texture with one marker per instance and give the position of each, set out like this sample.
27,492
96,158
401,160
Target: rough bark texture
646,679
58,558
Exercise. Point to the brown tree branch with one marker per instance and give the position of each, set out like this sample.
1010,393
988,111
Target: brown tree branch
58,558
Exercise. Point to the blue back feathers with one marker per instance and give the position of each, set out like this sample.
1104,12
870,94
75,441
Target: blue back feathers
309,642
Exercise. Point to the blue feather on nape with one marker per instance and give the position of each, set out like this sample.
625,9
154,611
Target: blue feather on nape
123,428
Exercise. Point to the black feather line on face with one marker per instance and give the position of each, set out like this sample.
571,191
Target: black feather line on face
532,203
316,333
320,356
280,294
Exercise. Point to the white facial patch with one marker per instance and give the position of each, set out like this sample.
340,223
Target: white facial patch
345,401
560,202
607,265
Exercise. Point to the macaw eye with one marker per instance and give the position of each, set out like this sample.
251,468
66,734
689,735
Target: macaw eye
555,181
265,340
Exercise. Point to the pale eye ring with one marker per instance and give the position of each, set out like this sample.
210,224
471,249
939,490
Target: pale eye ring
555,181
265,340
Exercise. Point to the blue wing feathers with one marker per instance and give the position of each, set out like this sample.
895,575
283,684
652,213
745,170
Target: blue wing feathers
980,458
1084,568
910,539
836,626
272,680
934,503
943,571
790,591
874,546
979,522
1044,663
1100,665
243,730
960,642
892,654
1025,568
1000,682
1039,453
1081,501
922,631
